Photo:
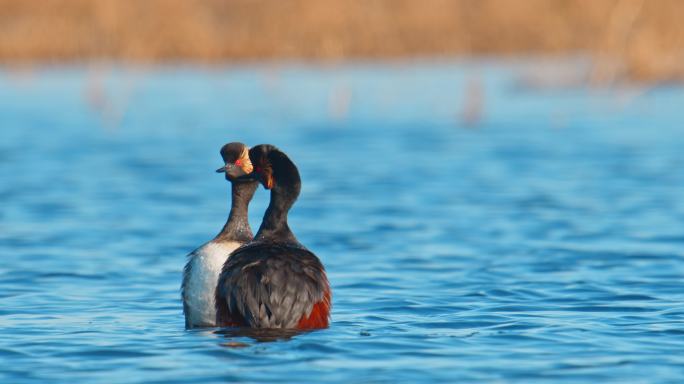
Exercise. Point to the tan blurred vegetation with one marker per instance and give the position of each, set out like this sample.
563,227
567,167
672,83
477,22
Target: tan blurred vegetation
641,39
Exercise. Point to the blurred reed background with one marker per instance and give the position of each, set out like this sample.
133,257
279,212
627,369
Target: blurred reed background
626,39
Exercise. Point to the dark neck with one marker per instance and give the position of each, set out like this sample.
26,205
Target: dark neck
283,195
237,227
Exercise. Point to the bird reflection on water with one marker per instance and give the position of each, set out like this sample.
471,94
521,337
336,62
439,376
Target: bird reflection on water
257,334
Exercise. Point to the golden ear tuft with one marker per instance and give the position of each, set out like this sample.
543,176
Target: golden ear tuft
269,182
267,176
263,168
245,162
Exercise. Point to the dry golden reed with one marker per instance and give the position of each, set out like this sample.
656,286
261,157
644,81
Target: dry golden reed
637,38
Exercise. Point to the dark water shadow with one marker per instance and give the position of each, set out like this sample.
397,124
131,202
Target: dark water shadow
259,335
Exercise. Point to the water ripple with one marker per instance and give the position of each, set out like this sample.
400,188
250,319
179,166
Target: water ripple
516,251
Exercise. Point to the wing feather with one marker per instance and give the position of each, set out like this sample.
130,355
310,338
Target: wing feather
269,286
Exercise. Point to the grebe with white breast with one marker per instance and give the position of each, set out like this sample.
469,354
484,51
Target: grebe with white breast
204,264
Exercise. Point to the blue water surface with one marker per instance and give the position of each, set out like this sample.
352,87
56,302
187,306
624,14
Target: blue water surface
474,228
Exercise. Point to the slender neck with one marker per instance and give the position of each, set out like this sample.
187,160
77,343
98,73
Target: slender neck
274,225
237,226
284,193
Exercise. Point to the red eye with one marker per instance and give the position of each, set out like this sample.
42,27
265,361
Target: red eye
238,162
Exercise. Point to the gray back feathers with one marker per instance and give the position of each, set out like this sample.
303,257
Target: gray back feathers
269,285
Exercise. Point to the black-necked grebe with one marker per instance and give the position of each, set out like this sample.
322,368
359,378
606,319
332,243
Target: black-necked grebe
204,265
274,281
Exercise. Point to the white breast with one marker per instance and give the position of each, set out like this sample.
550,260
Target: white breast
199,282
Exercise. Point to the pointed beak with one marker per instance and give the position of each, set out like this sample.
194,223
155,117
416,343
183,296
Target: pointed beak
234,173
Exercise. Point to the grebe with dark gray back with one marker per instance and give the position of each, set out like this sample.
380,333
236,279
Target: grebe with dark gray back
204,265
274,281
